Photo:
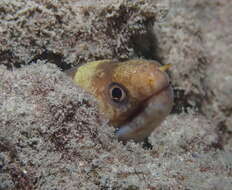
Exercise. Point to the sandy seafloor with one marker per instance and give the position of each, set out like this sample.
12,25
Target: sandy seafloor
51,134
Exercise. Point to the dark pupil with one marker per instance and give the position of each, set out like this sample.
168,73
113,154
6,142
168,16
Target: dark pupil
116,93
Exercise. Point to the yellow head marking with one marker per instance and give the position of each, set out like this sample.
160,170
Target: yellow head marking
86,73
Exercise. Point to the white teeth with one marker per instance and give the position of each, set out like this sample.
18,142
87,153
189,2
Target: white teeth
123,131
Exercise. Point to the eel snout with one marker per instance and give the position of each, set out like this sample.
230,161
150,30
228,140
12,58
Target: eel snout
154,110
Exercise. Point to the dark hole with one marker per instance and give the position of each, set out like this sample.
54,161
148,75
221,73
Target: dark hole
147,145
145,45
182,102
116,93
10,60
52,57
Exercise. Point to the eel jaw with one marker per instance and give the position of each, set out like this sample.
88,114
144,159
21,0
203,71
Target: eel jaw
157,108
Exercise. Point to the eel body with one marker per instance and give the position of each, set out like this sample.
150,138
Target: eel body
135,95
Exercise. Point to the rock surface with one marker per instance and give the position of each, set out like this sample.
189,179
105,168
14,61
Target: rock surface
51,134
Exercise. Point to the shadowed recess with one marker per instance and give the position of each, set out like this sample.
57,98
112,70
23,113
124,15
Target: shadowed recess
52,57
182,102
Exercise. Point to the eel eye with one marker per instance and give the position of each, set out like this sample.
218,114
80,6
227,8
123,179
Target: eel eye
117,93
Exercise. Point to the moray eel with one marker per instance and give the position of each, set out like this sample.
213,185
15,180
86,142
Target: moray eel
135,95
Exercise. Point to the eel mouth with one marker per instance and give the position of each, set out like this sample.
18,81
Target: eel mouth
142,106
149,114
157,93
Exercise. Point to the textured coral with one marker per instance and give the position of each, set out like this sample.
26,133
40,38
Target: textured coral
218,39
71,31
44,118
51,134
196,39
